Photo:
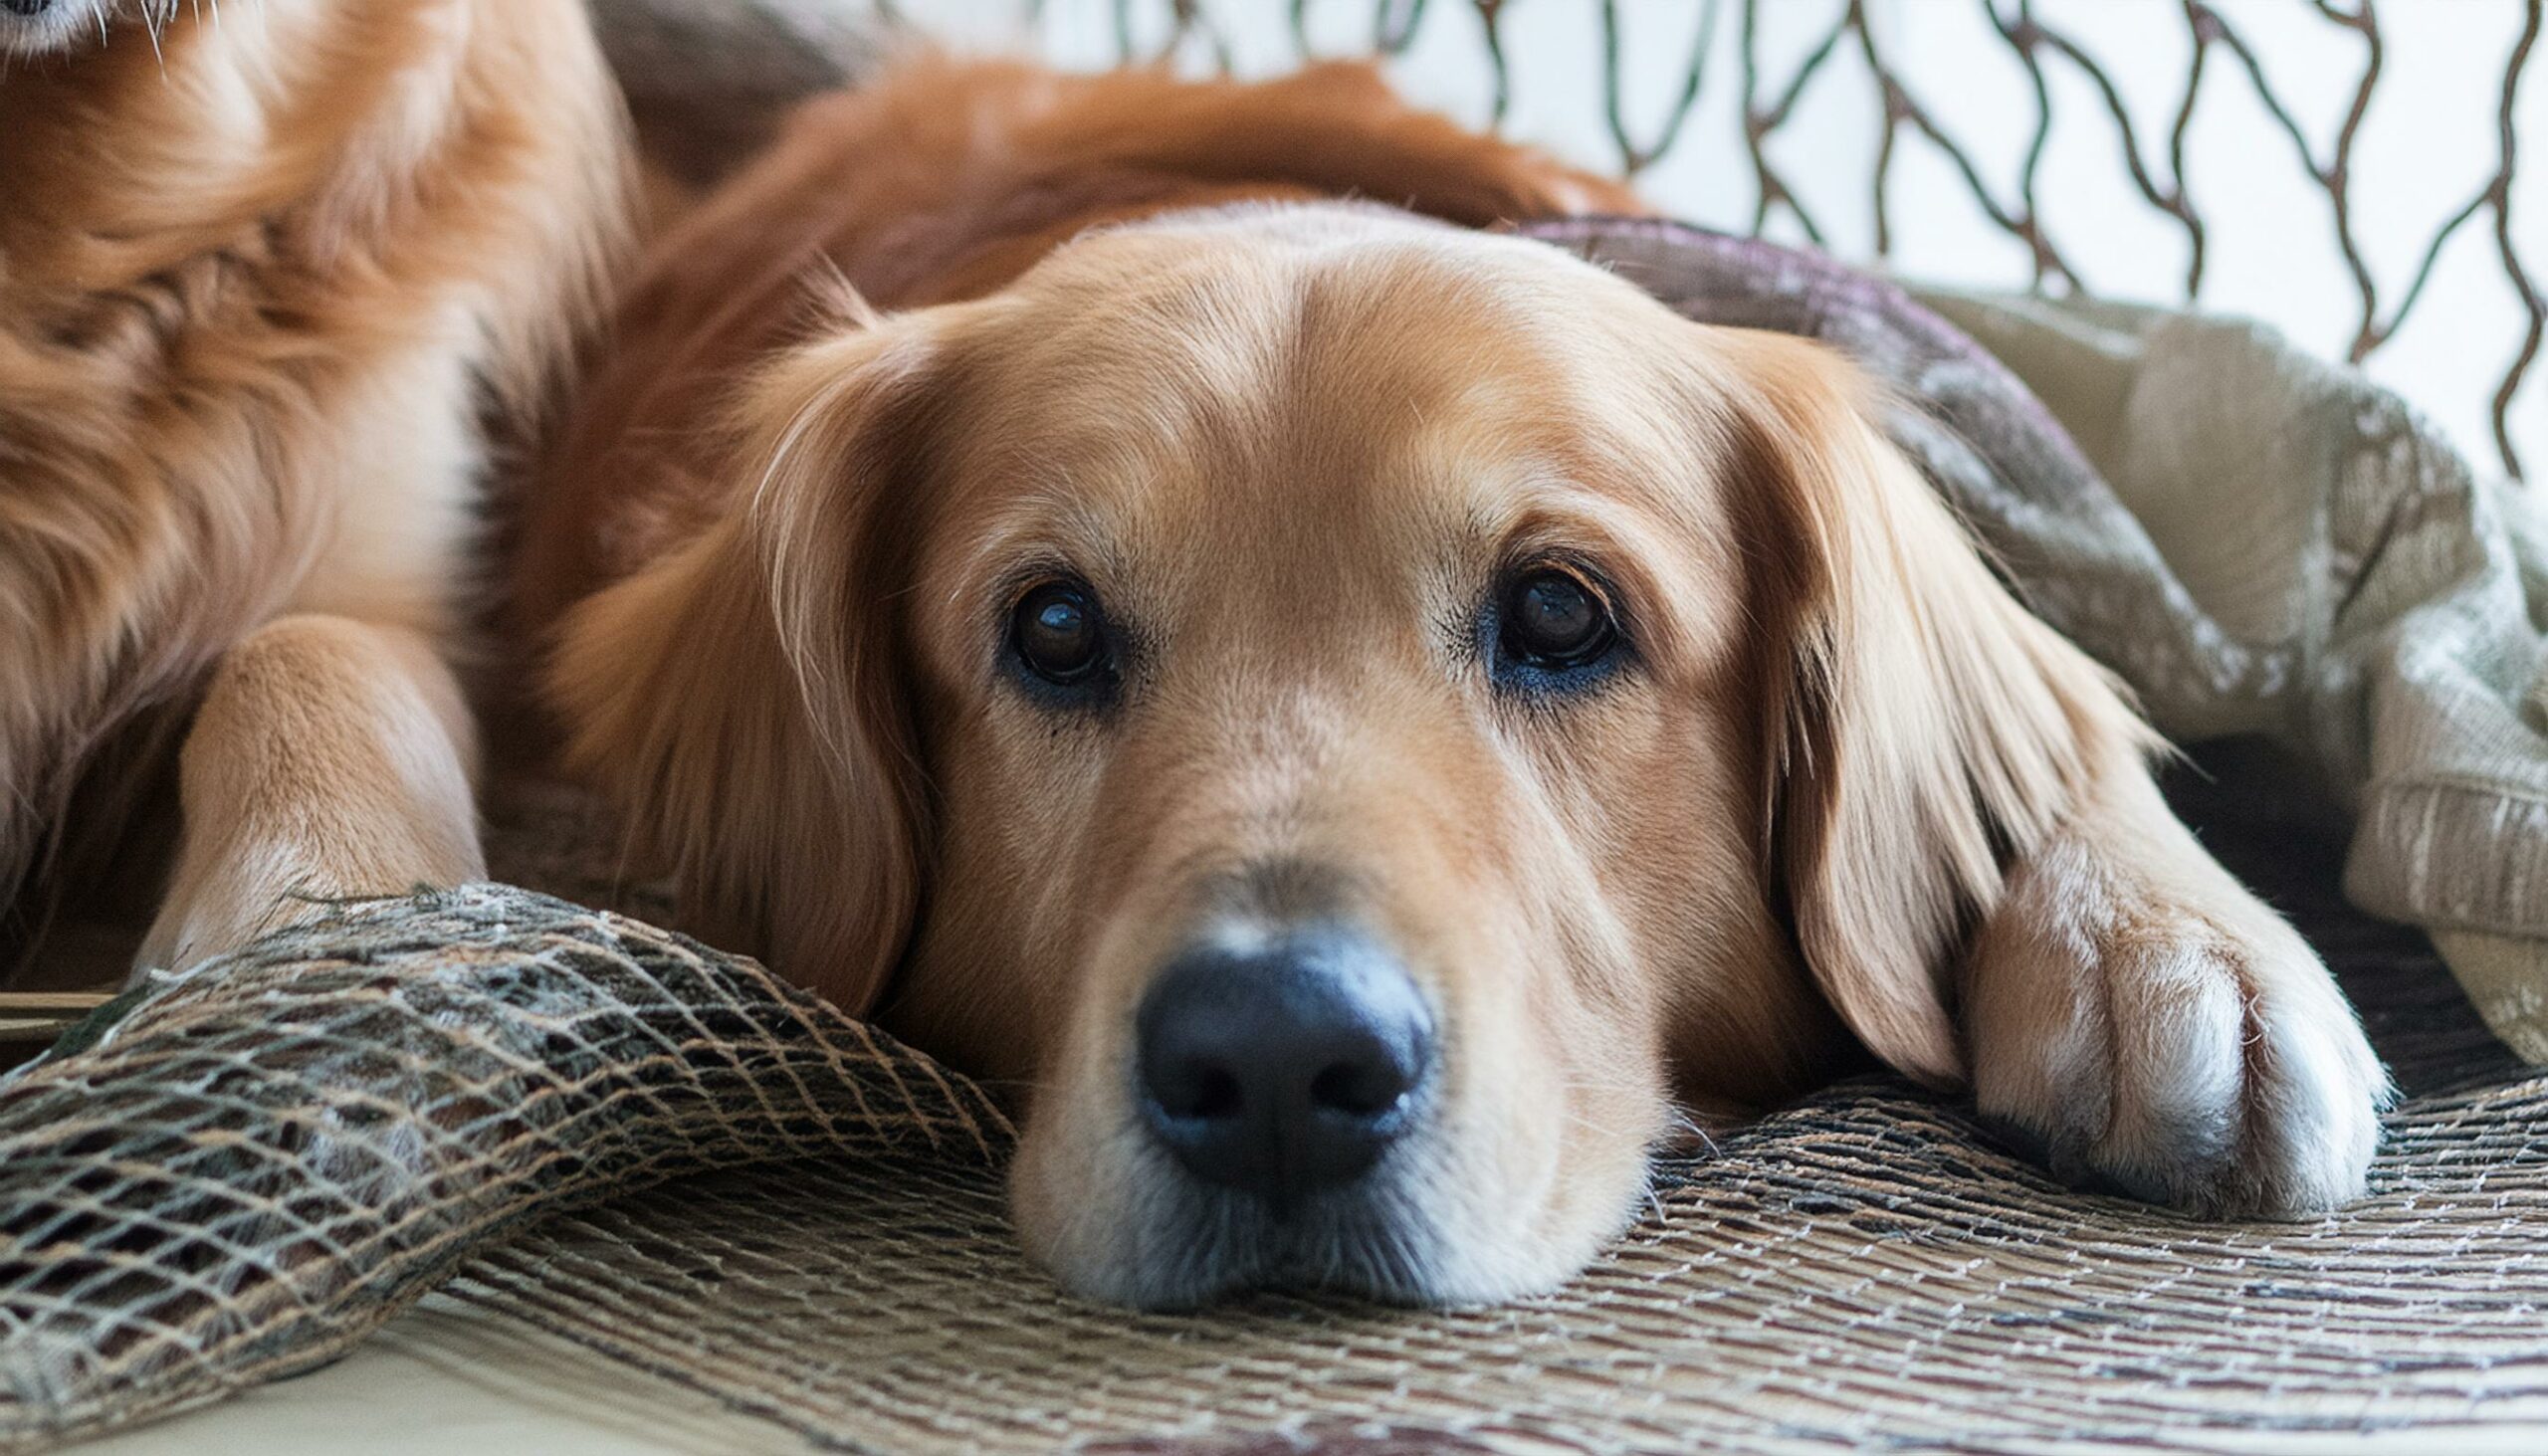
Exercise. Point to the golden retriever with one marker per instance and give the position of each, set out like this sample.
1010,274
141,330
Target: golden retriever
1368,724
268,274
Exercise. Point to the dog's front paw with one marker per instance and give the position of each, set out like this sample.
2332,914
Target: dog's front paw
217,912
219,904
2181,1041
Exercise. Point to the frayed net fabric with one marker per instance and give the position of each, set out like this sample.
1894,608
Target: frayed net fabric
565,1121
233,1175
562,1117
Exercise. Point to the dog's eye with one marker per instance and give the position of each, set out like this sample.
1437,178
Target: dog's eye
1553,620
1058,635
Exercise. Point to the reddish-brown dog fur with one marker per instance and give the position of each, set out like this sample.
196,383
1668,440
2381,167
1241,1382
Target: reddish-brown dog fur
263,285
941,186
1842,784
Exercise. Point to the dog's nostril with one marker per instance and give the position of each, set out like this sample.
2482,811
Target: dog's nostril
1218,1095
1363,1088
1195,1091
1283,1069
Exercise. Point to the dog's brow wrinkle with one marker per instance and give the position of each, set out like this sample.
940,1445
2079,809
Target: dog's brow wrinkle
1289,888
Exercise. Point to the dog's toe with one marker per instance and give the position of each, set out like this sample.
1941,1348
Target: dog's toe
2201,1058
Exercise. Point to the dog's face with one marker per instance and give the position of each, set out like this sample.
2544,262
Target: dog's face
1339,713
1344,782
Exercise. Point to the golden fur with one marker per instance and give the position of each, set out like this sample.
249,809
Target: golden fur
1845,792
267,274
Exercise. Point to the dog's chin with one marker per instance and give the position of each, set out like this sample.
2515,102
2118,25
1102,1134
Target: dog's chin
1169,1242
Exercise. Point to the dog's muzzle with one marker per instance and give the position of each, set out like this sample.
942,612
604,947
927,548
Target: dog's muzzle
1287,1067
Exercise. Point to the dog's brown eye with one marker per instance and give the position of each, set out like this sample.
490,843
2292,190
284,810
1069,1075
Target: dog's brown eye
1058,636
1555,620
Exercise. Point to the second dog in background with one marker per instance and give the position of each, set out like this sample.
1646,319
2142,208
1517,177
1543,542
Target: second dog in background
267,289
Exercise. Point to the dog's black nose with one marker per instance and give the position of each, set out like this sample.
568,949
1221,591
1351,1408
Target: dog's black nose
1283,1069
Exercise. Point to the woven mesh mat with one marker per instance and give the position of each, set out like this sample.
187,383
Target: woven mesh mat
248,1172
242,1174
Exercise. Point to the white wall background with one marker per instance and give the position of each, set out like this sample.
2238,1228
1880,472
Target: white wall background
2427,146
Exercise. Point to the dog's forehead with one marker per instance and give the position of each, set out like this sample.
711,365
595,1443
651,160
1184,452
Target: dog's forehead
1338,371
1331,282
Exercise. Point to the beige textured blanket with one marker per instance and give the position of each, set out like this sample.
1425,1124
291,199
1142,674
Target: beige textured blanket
2350,588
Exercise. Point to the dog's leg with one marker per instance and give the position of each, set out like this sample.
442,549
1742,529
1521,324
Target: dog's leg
332,757
2132,1004
1984,877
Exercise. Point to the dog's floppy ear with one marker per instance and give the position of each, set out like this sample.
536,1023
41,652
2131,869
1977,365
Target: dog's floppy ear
739,696
1923,733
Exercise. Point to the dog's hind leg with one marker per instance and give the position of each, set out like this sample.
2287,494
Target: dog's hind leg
331,758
